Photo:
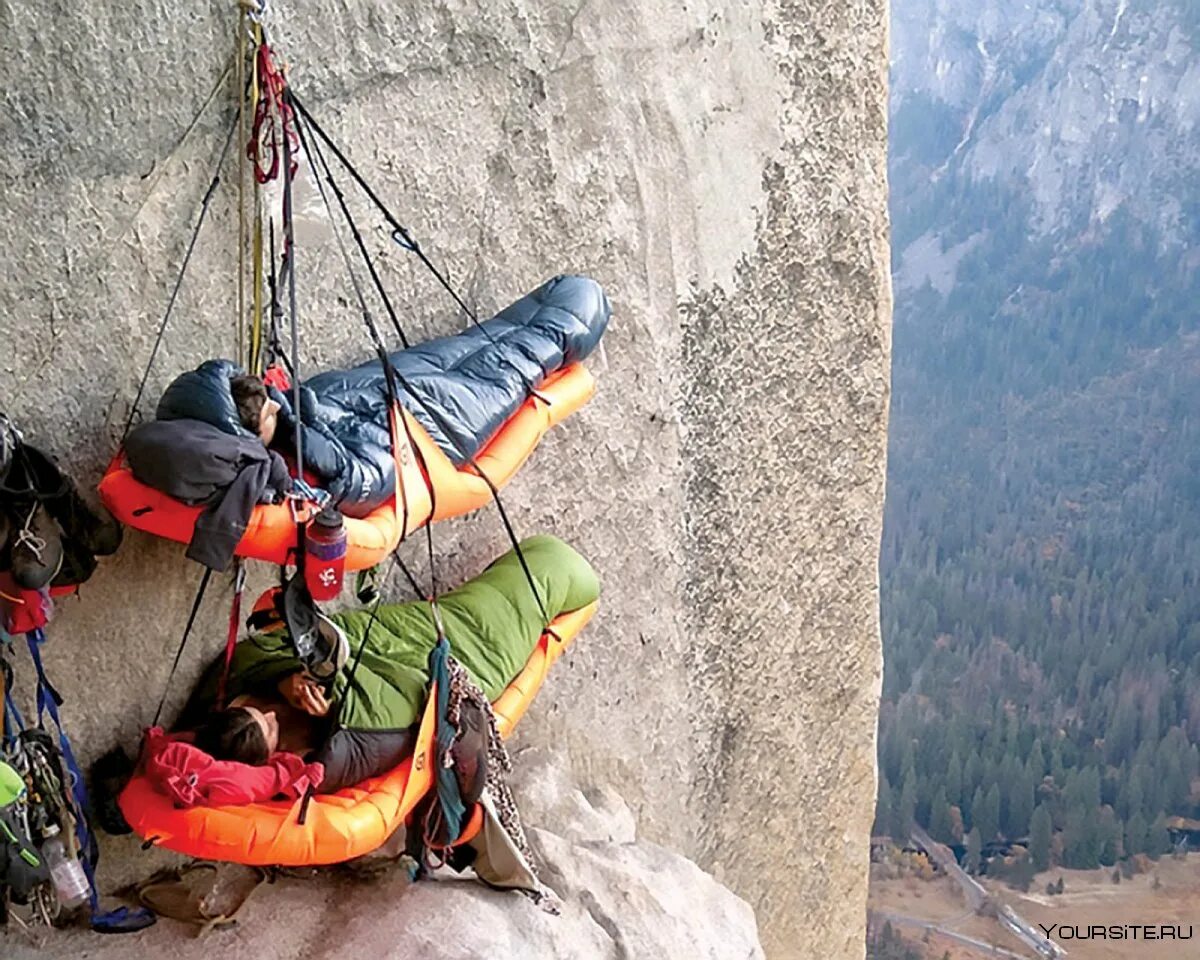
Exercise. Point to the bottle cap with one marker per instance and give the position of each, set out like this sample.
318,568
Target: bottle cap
329,517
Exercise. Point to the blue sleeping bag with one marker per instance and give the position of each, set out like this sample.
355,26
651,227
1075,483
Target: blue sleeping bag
466,386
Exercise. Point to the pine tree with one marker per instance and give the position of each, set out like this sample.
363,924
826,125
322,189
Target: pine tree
954,770
987,819
1020,804
939,818
977,807
1081,850
1108,837
1122,735
1035,765
1158,843
884,814
1131,799
1040,832
1057,769
974,852
904,810
1136,833
970,778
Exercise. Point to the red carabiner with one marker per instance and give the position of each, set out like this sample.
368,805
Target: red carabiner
273,119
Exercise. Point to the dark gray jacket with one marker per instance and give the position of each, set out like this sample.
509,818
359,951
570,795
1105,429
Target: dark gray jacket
197,463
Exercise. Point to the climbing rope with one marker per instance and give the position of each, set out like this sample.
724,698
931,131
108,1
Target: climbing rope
187,257
243,227
273,132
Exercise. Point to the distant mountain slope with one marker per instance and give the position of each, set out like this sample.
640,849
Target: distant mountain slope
1042,534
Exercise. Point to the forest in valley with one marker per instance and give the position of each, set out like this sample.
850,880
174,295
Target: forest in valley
1042,529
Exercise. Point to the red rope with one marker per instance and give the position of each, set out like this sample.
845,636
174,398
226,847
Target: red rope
273,119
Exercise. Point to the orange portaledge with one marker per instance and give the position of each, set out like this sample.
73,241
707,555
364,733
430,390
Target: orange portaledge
338,826
271,532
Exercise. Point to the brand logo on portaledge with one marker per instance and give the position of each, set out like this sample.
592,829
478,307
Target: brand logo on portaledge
1117,931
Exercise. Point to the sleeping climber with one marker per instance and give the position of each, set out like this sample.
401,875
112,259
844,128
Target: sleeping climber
366,723
219,434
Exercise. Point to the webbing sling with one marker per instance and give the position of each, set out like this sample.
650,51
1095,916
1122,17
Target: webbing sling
305,118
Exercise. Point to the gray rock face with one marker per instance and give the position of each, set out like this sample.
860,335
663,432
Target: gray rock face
623,898
1094,103
719,167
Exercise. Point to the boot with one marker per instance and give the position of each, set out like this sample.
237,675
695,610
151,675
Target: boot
95,529
79,563
37,551
109,775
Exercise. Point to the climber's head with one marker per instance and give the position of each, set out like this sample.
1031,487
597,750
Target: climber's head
257,411
244,734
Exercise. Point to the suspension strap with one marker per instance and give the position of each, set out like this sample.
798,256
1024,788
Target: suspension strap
408,574
235,622
313,148
405,239
400,233
289,240
389,369
243,229
187,630
257,240
13,722
362,645
396,417
162,327
274,349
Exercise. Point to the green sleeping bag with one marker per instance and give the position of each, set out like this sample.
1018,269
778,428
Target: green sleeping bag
492,623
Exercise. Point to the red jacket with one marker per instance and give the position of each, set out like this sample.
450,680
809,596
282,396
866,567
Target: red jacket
190,777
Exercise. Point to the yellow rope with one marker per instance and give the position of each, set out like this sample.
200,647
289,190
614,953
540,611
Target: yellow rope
255,360
241,175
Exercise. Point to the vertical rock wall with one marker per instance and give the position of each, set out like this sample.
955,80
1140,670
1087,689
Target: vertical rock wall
719,167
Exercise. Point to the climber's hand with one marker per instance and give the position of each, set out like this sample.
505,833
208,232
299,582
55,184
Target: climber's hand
304,694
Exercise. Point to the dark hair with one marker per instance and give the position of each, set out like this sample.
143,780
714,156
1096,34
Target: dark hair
233,734
250,396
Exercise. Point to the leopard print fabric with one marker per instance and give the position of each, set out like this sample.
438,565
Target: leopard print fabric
462,690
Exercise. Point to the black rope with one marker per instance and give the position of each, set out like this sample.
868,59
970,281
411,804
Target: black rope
183,642
309,793
362,247
393,399
408,243
421,594
289,238
389,368
400,233
373,330
362,645
162,327
313,154
274,348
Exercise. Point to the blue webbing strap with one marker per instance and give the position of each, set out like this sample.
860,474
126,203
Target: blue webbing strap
123,919
449,797
13,721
